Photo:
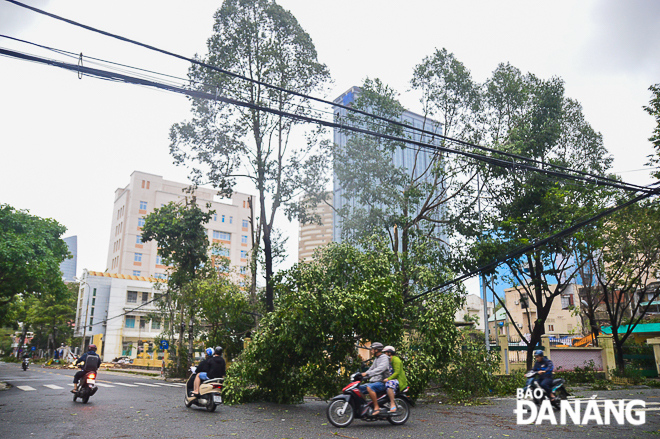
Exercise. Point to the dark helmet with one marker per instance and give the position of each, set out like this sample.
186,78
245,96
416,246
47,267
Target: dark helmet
218,350
92,347
538,353
377,346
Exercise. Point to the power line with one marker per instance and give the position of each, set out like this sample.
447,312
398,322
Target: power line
130,310
521,251
103,74
312,98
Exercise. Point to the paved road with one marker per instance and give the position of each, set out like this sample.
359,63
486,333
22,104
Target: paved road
129,406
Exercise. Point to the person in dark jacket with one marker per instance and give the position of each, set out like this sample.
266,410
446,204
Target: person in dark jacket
89,362
215,368
544,367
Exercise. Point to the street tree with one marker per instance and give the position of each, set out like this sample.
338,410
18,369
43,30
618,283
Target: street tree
627,269
222,143
31,250
653,108
183,244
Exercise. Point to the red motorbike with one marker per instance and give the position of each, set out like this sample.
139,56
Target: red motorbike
352,404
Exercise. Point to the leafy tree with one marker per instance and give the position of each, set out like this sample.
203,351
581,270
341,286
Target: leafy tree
324,310
31,250
654,110
183,243
260,40
627,268
52,317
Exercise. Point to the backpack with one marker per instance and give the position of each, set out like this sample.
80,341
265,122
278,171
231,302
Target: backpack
92,363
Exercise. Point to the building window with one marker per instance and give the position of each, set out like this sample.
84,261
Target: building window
131,297
566,301
220,251
231,220
130,321
244,204
243,254
145,298
138,239
94,293
142,184
243,270
244,239
524,301
143,205
91,322
551,328
138,257
160,276
140,222
143,323
127,348
223,236
136,272
155,324
245,223
223,218
91,313
159,260
215,217
93,301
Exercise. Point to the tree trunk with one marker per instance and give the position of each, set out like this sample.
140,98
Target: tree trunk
618,354
191,332
22,339
180,341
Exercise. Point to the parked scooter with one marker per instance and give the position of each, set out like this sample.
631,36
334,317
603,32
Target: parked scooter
25,364
209,391
557,388
86,387
352,404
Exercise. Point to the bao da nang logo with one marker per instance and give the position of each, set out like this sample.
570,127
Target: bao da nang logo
577,411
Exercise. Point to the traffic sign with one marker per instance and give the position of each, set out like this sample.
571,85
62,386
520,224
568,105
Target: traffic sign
164,344
34,348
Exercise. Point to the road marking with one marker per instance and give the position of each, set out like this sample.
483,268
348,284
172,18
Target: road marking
170,384
104,385
25,388
53,386
127,385
150,385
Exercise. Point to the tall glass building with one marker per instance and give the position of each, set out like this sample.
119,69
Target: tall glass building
69,266
402,157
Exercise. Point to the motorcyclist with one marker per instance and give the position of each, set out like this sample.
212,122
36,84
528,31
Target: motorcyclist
397,379
202,370
544,367
379,370
215,368
90,363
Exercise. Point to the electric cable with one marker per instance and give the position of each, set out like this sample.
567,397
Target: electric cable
203,95
307,97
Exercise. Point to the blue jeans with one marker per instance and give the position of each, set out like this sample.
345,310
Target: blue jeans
546,382
378,387
203,376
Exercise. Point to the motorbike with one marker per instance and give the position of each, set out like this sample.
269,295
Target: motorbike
25,364
209,391
86,387
352,404
557,388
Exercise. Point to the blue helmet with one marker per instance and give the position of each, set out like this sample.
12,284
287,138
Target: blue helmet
209,351
538,352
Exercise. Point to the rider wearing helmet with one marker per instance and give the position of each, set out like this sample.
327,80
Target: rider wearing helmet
214,367
379,370
90,363
544,368
397,379
202,369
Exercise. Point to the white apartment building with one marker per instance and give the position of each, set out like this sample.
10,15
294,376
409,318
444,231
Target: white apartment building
128,255
474,307
311,236
107,305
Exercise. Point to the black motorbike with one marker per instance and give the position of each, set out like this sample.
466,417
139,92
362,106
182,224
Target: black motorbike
533,378
352,404
25,364
86,387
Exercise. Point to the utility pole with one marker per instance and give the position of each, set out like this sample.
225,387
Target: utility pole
484,296
82,344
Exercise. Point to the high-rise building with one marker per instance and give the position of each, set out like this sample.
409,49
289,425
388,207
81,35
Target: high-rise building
414,162
311,236
68,267
128,255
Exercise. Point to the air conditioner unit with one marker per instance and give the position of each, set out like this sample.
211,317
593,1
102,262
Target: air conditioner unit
517,302
520,325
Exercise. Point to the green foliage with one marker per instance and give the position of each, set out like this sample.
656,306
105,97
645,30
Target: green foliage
31,250
222,142
654,110
326,308
470,373
580,375
507,385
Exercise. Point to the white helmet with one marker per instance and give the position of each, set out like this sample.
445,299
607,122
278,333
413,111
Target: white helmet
389,349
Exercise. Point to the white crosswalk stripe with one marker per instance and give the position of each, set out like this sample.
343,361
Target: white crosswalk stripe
126,384
25,388
53,386
171,384
104,385
150,385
